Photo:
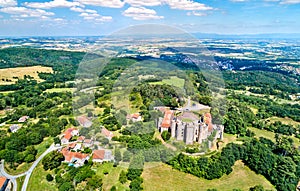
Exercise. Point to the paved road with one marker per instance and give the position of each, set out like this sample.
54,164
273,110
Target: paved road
28,173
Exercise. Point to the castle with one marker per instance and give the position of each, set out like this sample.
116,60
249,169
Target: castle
188,127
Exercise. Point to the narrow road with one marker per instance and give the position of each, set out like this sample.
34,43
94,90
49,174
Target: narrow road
28,173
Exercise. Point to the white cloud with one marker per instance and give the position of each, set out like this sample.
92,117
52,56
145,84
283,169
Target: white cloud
145,2
103,3
26,12
8,3
141,13
188,5
77,9
199,14
81,10
52,4
290,2
95,17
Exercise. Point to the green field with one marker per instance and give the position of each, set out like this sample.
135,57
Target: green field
112,176
270,135
60,90
173,81
38,180
163,178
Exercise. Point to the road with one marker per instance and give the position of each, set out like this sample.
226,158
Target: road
28,173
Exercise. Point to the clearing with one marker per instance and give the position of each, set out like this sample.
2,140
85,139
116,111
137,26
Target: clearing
11,75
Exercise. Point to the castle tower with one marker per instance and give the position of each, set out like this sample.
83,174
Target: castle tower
189,134
173,128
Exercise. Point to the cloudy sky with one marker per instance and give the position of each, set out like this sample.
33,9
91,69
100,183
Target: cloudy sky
100,17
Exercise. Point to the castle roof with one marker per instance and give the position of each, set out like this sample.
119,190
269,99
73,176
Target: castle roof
166,123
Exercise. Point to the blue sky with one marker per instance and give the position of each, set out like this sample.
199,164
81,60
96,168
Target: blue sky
100,17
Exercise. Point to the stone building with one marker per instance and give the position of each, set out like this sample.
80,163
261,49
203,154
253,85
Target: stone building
189,128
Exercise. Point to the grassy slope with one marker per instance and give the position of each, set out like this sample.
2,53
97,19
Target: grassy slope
163,178
270,135
38,180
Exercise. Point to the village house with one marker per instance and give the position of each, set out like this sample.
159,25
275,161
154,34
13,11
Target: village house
88,143
102,155
75,146
68,134
80,139
14,128
74,158
23,119
84,121
108,134
5,184
134,117
165,123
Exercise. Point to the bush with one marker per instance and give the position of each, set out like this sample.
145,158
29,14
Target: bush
49,177
166,135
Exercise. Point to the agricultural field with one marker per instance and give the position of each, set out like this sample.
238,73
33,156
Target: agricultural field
163,177
11,75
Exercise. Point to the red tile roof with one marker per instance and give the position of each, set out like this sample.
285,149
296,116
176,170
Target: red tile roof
135,115
106,132
68,133
70,155
166,123
99,154
83,120
2,181
81,138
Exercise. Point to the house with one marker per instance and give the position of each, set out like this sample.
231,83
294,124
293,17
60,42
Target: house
134,117
108,134
102,155
88,143
5,184
68,134
80,139
84,121
75,158
23,119
14,128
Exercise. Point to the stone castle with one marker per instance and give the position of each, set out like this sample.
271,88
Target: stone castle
188,127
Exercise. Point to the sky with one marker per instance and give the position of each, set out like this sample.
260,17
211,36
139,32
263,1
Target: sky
102,17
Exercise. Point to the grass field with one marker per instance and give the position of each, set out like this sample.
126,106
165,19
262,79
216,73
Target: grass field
38,180
112,178
60,90
287,121
11,75
162,177
20,169
270,135
41,148
173,81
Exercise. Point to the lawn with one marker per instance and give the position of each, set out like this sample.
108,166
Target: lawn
11,75
270,135
112,176
38,180
162,177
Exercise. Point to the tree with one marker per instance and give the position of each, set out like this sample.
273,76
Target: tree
136,184
52,160
66,186
113,188
123,177
49,177
95,183
126,156
56,140
257,188
166,135
118,155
